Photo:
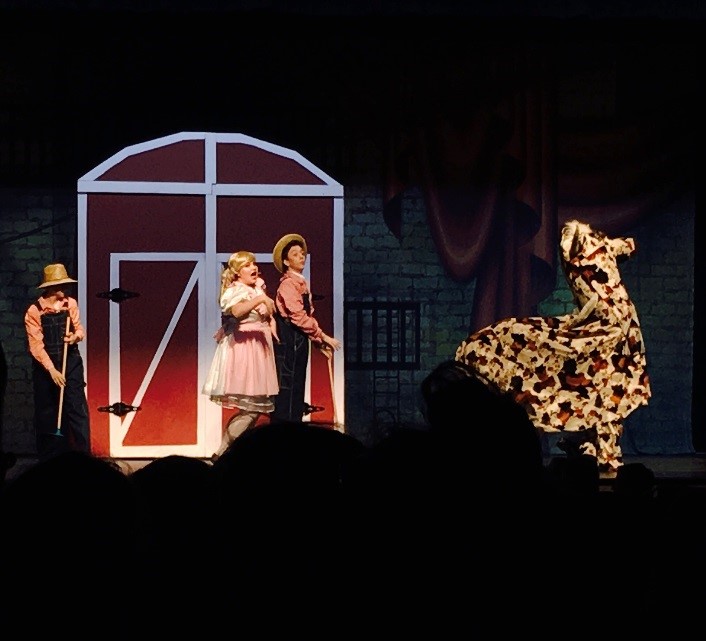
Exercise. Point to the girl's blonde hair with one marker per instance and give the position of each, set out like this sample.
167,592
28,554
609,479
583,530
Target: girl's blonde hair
235,263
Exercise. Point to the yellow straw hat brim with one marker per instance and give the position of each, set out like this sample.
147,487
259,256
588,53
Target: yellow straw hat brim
277,257
55,275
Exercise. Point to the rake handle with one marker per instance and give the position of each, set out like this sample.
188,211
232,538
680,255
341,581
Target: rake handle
333,392
63,373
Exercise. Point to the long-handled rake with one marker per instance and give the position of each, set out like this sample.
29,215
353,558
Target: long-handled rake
63,387
337,425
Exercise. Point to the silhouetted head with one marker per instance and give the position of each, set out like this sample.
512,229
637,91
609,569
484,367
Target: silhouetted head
486,433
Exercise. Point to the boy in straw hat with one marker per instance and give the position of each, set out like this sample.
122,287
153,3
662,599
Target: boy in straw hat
54,328
296,327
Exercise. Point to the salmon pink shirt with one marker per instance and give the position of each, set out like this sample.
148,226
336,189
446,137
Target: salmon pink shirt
33,325
289,300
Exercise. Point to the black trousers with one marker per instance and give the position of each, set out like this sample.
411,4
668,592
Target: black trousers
74,432
292,359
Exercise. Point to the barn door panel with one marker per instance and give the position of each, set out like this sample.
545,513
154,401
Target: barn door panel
153,355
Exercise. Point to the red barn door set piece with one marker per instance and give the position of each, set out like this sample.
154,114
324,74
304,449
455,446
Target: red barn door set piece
156,224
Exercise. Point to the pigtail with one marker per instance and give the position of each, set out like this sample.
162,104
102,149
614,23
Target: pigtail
226,281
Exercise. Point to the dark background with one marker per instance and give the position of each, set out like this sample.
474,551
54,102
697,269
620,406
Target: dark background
82,80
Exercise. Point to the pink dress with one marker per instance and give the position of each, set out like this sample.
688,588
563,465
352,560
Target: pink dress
243,372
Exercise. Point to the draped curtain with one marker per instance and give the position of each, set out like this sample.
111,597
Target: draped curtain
501,169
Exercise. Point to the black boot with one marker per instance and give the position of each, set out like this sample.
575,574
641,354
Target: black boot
571,442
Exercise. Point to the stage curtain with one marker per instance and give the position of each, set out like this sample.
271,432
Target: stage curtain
501,171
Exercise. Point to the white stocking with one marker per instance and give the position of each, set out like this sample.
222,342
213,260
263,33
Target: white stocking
242,421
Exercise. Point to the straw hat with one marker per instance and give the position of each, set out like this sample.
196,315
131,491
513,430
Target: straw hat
55,275
277,257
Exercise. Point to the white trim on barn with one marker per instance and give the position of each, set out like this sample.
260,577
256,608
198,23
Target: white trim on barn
206,271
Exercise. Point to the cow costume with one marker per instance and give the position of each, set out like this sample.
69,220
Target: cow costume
582,372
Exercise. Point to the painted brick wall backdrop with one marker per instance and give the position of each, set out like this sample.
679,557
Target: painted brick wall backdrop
38,227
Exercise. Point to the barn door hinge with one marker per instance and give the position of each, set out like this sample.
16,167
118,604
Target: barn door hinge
117,295
310,409
119,409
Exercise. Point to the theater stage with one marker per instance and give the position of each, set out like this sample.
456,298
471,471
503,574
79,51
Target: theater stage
686,471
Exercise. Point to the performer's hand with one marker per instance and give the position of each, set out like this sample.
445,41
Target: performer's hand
331,342
273,331
325,350
71,338
269,303
57,377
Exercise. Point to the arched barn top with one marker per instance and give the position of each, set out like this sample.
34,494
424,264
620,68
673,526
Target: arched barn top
192,162
157,220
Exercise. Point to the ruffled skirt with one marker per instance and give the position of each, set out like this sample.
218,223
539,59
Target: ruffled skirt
243,373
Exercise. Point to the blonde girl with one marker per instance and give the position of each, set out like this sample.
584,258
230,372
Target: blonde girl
243,374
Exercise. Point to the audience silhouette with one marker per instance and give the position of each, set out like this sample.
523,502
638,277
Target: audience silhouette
469,417
297,527
281,514
72,550
175,503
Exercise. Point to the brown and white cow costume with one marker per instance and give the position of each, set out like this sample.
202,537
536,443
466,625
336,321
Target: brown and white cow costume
582,371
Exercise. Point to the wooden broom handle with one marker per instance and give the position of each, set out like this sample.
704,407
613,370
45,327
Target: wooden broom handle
333,393
63,373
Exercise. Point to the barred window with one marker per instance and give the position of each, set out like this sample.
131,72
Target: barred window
382,335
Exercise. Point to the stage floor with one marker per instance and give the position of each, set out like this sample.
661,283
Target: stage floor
685,469
684,466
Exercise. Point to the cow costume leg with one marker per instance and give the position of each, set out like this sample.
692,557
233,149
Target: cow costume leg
609,452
